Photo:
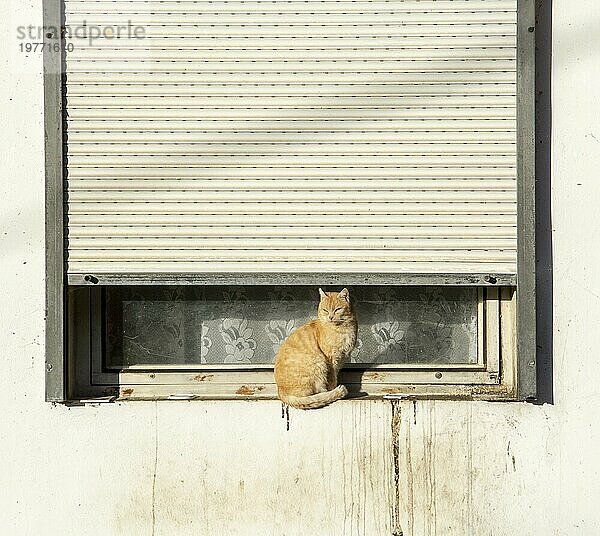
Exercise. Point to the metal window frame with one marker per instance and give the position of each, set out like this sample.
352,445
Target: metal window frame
57,281
491,378
486,370
54,215
526,303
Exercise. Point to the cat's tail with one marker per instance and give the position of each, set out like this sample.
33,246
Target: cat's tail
314,401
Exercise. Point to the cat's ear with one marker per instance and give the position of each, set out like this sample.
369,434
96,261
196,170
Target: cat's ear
322,294
344,294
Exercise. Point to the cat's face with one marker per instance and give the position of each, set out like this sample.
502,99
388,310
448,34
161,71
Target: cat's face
335,308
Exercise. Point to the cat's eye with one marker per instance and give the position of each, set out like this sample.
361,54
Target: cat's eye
337,309
325,310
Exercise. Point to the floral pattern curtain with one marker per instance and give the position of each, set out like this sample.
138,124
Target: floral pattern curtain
245,324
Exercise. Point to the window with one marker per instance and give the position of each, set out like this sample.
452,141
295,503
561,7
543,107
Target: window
212,166
221,340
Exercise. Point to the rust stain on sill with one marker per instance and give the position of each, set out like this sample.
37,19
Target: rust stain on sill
203,377
248,391
373,376
392,390
127,392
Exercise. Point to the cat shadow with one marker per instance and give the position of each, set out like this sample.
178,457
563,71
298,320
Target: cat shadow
355,393
353,382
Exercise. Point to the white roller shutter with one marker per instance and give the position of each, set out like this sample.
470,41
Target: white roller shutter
292,136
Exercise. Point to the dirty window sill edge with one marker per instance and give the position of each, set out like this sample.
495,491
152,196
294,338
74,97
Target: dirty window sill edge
495,393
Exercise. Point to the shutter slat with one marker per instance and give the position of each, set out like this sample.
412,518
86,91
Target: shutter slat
278,184
97,224
367,117
284,148
350,30
307,231
313,195
418,45
168,140
320,89
324,53
301,255
149,128
274,161
290,243
346,6
339,172
190,80
459,264
288,207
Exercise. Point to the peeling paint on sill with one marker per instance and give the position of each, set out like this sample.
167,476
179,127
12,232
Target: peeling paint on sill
248,391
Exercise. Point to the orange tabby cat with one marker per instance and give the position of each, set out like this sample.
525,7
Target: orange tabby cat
308,361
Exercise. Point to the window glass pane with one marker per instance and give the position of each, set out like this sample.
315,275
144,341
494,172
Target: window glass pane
244,325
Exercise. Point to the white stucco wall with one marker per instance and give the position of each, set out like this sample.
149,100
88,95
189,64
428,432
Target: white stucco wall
232,468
